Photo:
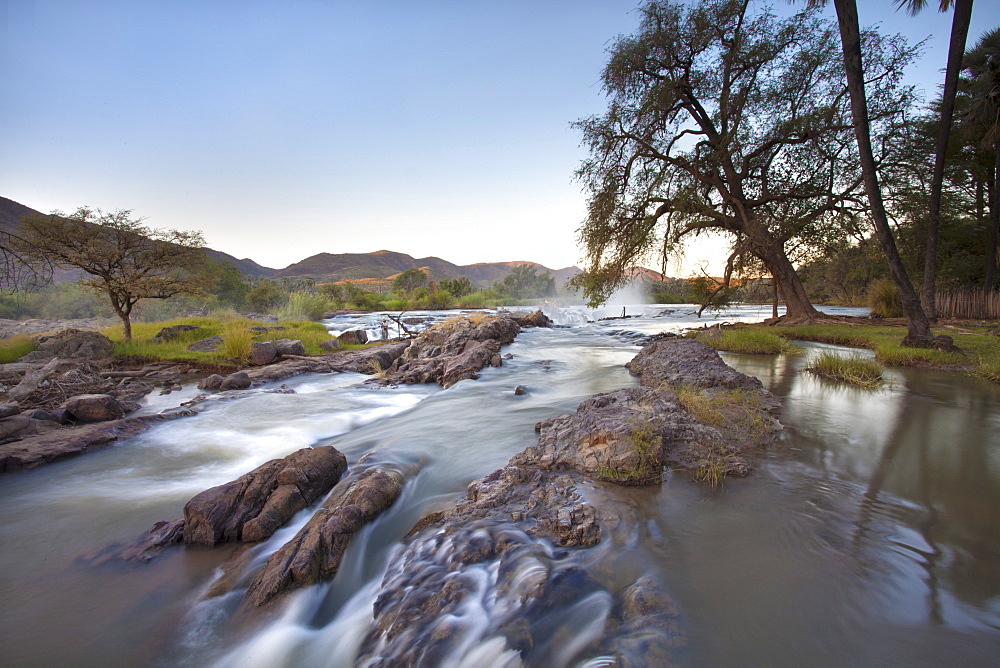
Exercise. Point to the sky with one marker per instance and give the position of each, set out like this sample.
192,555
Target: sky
285,129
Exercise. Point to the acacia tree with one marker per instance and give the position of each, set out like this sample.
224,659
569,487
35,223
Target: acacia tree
124,259
723,120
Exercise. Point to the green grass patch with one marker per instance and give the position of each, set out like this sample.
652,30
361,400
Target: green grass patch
885,341
753,341
853,369
15,347
988,368
235,332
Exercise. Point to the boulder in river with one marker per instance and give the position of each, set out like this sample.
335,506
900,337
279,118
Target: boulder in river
84,408
315,553
254,505
262,352
354,337
454,350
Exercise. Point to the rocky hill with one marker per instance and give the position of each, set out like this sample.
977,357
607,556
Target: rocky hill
332,267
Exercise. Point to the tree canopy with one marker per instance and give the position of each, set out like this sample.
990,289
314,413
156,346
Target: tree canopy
123,259
719,119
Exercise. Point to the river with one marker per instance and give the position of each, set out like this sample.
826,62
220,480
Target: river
868,535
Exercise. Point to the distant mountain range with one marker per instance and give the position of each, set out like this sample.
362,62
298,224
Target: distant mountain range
332,267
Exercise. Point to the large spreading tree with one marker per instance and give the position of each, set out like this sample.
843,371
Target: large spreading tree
720,119
123,259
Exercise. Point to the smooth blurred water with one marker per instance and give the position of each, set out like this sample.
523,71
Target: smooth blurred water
867,536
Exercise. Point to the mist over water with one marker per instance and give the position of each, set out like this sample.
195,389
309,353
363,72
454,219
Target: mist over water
869,535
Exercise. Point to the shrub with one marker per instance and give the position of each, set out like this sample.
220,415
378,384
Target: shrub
883,299
304,306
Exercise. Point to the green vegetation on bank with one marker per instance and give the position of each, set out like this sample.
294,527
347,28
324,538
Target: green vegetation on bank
237,338
746,340
853,369
980,351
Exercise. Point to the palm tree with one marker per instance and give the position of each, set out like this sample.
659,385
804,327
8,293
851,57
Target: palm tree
956,48
918,325
982,65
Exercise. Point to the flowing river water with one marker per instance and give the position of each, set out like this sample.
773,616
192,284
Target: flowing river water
869,535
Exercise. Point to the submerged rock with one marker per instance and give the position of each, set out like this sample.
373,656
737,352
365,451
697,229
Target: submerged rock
254,505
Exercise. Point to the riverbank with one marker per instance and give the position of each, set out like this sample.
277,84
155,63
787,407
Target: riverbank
976,343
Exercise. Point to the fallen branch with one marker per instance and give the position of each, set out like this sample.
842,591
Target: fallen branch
32,379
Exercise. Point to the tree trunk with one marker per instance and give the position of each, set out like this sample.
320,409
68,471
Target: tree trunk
918,326
991,252
797,304
956,49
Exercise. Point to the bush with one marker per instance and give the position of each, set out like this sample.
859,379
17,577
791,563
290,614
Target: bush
304,306
883,299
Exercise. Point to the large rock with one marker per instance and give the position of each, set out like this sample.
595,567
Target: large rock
172,333
51,446
618,436
86,408
533,319
254,505
315,553
453,350
686,362
262,352
354,337
236,381
70,344
209,345
289,347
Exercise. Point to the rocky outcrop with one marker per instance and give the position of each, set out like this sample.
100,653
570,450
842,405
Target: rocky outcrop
61,443
454,350
254,505
533,319
315,553
518,538
70,344
686,362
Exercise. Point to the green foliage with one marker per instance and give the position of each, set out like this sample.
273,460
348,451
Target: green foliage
524,282
265,296
409,280
852,369
228,284
883,299
14,348
304,306
753,341
705,292
458,287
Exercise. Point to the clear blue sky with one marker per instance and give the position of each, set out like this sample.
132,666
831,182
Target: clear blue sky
285,129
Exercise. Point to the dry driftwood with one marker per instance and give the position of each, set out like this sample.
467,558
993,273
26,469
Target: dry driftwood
32,379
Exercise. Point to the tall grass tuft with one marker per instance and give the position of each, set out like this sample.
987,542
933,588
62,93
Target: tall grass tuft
853,369
752,341
988,368
883,299
304,306
237,341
